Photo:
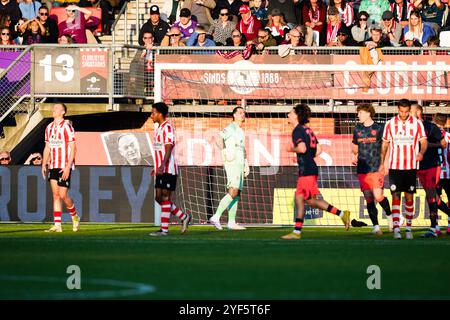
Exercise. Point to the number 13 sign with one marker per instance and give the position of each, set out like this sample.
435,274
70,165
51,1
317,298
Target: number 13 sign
71,71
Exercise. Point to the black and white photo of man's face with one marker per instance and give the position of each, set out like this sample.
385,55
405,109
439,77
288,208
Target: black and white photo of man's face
129,149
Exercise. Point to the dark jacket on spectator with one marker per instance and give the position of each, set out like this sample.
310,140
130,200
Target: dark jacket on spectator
12,9
384,42
51,31
287,8
158,31
234,7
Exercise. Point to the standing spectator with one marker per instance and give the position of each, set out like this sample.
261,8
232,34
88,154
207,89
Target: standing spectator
432,12
32,31
6,37
106,7
232,5
172,38
287,8
222,28
360,31
237,39
199,39
259,11
277,27
249,24
11,8
391,29
401,10
75,24
34,159
186,25
154,25
345,9
51,27
375,9
314,15
201,9
5,158
333,26
29,9
420,30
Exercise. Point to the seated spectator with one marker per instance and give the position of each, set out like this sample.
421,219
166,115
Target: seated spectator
401,10
222,28
66,39
172,38
237,39
314,15
344,37
29,8
420,30
377,39
75,24
155,25
360,31
375,9
434,42
259,11
391,29
106,7
186,25
287,8
199,39
345,9
333,26
249,24
306,33
34,159
277,27
295,38
264,40
6,37
32,32
201,9
432,12
51,27
5,158
11,8
410,41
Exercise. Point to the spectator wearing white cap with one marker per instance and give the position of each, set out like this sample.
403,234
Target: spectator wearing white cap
155,26
201,9
410,41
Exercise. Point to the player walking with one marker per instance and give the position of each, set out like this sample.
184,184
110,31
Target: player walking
366,147
305,145
59,155
430,169
403,135
440,120
166,170
232,143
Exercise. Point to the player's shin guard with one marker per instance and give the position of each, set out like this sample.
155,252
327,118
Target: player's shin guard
385,205
373,212
409,208
165,215
396,214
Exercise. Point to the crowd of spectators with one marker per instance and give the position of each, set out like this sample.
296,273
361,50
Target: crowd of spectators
268,23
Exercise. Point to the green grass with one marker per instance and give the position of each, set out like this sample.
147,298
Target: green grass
327,263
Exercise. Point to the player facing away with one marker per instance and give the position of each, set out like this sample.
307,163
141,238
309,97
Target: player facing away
59,156
366,147
405,137
430,170
440,120
305,145
166,170
232,143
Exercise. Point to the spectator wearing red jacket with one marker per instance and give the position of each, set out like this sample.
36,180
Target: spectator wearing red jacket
249,24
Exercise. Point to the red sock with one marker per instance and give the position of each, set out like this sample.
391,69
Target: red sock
409,207
177,212
334,210
396,213
57,217
72,211
298,224
165,216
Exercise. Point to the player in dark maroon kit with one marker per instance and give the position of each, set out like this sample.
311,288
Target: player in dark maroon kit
430,170
367,139
305,145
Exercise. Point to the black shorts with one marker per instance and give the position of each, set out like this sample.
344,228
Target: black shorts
166,181
403,181
444,184
55,174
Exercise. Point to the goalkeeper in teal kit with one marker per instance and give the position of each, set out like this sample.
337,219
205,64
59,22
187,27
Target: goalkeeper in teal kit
232,142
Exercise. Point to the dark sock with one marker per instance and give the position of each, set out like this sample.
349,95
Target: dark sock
385,205
373,212
333,210
298,224
443,207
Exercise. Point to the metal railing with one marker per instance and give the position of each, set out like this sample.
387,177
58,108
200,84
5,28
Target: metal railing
123,11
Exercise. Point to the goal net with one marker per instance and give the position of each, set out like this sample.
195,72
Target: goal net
202,90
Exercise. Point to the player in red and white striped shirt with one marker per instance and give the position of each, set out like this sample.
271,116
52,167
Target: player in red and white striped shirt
59,156
440,120
166,169
405,137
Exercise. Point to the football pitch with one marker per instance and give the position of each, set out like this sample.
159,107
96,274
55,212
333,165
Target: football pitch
121,261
